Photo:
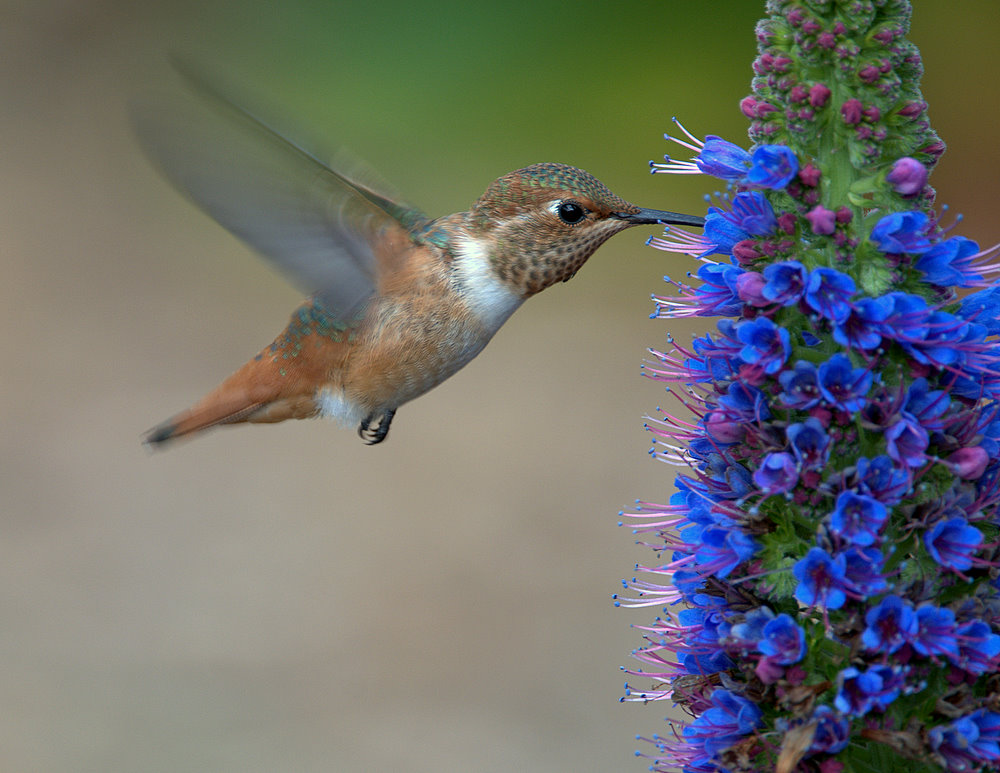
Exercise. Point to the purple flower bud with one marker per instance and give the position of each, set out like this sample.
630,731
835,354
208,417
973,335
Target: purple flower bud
851,111
969,463
750,287
818,95
907,177
822,220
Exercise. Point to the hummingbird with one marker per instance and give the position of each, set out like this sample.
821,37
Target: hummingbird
397,301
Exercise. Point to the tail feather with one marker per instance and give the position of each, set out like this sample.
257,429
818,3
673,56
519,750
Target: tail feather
254,393
197,419
279,383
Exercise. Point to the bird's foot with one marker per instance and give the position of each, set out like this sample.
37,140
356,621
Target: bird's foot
373,433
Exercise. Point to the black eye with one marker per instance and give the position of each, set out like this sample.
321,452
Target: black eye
570,212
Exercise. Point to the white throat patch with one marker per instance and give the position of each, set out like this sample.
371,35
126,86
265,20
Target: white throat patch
490,298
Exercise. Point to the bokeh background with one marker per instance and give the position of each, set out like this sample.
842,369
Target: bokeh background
283,598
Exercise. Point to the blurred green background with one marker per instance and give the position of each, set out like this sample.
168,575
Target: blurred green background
283,598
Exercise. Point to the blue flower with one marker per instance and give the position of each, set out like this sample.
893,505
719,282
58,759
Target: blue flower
978,647
890,625
731,717
745,402
953,542
754,214
863,327
832,732
842,386
821,579
902,232
947,263
926,405
983,307
749,633
765,344
800,386
881,479
721,158
828,293
935,632
907,441
785,282
772,166
968,743
721,232
863,691
776,474
858,518
841,430
783,641
719,295
750,215
863,572
809,442
722,549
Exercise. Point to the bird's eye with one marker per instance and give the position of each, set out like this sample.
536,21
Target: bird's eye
570,212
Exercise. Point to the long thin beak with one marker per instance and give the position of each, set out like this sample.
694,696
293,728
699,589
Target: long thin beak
654,216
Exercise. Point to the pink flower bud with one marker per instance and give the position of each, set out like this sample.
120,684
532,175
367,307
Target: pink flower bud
908,176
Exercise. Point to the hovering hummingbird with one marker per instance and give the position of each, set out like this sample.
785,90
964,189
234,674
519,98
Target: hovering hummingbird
398,301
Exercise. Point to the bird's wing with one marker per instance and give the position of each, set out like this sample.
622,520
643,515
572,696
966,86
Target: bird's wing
320,227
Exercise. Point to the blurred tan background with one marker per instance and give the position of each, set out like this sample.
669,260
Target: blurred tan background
284,598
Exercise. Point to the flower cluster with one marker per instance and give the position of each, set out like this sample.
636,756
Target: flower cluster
828,570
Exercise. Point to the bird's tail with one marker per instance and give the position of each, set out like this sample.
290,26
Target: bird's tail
257,392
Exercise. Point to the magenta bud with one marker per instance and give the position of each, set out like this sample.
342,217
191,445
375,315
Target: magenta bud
750,288
786,222
826,40
969,463
746,252
818,95
768,671
809,175
748,106
724,429
851,110
822,220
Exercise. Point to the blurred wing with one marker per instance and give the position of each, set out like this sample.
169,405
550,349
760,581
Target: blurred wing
316,225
